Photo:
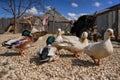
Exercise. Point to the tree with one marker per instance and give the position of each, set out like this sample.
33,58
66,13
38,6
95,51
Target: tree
17,8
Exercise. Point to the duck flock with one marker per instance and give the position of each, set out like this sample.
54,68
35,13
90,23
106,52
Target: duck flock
76,45
96,50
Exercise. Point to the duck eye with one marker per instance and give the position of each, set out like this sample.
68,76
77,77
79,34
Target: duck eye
108,31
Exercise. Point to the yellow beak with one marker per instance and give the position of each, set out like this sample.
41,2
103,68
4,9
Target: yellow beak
30,34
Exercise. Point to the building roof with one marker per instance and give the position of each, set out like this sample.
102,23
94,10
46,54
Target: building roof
55,15
115,7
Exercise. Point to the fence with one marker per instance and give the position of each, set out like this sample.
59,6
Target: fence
52,27
4,22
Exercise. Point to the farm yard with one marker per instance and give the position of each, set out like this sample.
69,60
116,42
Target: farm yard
15,67
74,24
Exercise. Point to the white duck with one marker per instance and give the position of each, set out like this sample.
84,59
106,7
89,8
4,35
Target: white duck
59,37
102,49
84,40
72,43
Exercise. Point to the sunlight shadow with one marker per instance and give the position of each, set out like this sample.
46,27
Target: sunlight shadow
78,62
10,54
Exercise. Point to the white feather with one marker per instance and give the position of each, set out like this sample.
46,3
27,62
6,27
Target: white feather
101,49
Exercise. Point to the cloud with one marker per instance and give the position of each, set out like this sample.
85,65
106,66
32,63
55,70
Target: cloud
73,16
110,2
31,11
41,13
48,7
74,5
83,14
97,4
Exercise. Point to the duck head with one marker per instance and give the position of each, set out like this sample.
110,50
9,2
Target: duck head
109,34
50,40
60,32
26,33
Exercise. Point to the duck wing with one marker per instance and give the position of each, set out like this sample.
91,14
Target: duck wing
70,38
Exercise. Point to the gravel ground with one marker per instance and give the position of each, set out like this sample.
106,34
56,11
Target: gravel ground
67,67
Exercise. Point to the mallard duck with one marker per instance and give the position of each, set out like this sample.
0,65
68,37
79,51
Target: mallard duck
25,41
72,43
101,49
19,43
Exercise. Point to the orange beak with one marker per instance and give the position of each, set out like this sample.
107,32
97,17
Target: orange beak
112,36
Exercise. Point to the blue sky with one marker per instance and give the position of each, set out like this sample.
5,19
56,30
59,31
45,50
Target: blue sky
71,9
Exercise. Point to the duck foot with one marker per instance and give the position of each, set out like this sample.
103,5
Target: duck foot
58,53
98,63
76,55
93,59
22,54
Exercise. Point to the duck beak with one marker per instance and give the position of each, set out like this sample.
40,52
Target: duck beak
112,36
30,34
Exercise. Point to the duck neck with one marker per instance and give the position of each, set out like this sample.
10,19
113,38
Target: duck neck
59,35
49,45
106,38
84,40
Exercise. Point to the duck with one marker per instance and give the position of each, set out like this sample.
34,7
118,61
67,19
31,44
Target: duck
23,42
59,37
72,43
19,43
99,50
84,39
